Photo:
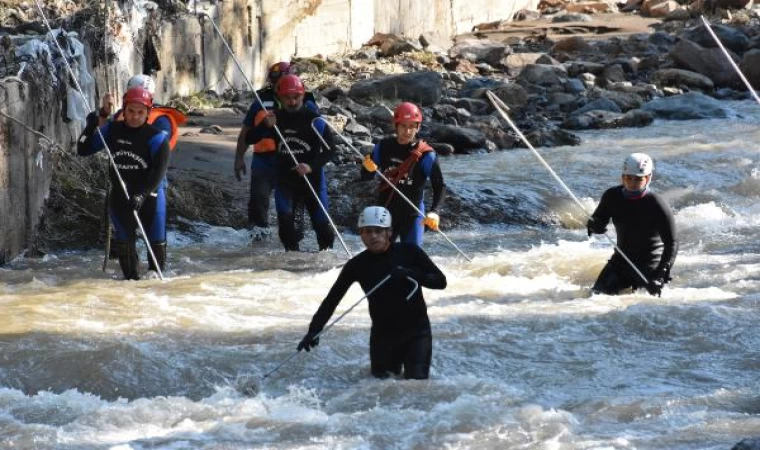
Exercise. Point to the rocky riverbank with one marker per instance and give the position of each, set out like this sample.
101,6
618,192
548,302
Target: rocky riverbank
560,70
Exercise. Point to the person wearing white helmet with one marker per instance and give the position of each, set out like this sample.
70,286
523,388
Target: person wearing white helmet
646,231
400,337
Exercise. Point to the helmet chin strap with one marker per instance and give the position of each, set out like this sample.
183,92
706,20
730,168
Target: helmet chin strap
637,194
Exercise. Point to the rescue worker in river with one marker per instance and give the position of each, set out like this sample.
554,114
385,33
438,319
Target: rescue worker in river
408,163
301,144
164,118
400,336
645,227
141,153
263,163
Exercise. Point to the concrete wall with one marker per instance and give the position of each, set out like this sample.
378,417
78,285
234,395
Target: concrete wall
261,32
25,164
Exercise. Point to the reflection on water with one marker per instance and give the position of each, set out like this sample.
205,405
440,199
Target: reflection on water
523,357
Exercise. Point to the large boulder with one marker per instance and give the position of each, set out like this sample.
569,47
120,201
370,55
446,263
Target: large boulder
479,51
423,88
680,77
462,138
731,38
598,119
710,62
750,67
691,105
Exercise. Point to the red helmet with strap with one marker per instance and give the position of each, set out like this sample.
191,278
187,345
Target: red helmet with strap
407,112
138,95
279,69
290,84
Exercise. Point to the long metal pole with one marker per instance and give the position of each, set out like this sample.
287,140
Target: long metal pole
730,59
277,130
384,178
502,108
102,138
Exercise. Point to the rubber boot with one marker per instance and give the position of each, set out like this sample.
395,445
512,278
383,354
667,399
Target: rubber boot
128,260
159,249
113,254
325,236
287,232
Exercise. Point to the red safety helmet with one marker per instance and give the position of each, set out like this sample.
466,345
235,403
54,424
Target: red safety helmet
278,70
407,112
290,84
138,95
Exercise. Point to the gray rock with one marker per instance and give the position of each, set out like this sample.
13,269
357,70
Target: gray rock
731,38
679,77
479,51
462,138
601,104
423,88
691,105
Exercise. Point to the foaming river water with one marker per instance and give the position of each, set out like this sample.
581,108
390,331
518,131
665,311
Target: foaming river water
524,357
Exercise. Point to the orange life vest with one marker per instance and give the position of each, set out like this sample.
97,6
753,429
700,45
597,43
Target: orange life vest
175,117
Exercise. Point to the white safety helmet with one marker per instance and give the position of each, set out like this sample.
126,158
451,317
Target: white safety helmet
638,164
144,81
375,216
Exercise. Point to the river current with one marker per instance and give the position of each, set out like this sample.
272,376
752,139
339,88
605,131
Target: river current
524,357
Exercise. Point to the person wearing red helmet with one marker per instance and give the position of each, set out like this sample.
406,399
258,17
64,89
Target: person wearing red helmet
408,163
294,121
141,153
263,168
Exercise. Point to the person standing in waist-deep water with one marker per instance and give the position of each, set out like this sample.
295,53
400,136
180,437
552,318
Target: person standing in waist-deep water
400,336
301,142
263,166
408,163
141,153
646,231
164,118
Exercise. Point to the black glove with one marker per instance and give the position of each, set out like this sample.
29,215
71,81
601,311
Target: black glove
658,279
308,342
655,286
136,201
399,273
595,227
91,123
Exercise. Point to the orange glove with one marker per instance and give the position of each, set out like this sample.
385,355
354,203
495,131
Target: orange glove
431,221
368,164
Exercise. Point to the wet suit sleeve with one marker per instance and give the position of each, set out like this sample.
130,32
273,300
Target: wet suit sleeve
310,102
159,150
601,216
323,156
163,124
432,170
337,291
90,142
428,274
666,227
364,173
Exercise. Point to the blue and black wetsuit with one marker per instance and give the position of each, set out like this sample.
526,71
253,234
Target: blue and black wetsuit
291,190
263,164
142,156
388,154
400,334
646,233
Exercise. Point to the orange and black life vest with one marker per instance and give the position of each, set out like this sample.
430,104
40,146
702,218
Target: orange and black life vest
400,172
175,117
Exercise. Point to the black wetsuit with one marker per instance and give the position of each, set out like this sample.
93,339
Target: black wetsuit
646,233
407,223
400,334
